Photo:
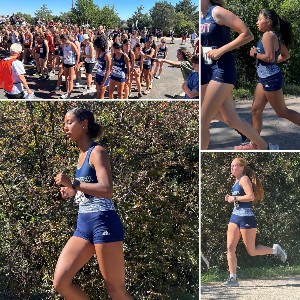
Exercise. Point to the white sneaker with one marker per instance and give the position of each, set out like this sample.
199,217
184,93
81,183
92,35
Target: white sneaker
273,147
280,252
157,77
64,96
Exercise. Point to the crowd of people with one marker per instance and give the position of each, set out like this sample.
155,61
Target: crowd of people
110,59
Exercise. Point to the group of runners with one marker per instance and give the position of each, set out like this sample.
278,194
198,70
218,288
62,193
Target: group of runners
117,59
218,73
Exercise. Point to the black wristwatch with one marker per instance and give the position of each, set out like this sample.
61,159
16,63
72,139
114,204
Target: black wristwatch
255,55
75,184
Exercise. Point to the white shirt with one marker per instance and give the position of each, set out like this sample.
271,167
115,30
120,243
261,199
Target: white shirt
17,68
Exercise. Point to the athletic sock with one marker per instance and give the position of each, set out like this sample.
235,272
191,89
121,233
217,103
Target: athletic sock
233,276
274,250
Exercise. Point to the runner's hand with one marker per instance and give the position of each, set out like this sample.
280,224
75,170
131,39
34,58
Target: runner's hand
64,180
67,192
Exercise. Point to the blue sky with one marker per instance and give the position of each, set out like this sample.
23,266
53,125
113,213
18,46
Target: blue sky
124,8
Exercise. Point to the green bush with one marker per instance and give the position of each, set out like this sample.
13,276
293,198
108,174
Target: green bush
154,156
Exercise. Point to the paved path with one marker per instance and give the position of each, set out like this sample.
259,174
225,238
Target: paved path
275,130
165,88
286,288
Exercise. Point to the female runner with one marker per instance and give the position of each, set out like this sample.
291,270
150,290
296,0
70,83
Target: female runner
270,50
247,189
99,228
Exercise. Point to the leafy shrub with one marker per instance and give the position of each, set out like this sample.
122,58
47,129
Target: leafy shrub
154,156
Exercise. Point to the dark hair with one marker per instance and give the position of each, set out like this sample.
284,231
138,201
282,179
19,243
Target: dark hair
82,114
195,59
117,45
101,43
64,37
137,45
125,41
217,2
285,28
187,56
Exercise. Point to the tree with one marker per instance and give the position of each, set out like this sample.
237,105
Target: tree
163,15
190,11
108,16
44,13
182,23
27,17
84,12
141,19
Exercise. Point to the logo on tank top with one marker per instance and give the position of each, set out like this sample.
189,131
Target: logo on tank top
205,27
105,233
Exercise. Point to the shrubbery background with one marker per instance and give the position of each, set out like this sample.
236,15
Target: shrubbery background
278,216
154,156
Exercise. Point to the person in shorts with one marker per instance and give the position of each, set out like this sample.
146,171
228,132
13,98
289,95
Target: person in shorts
271,49
99,228
246,190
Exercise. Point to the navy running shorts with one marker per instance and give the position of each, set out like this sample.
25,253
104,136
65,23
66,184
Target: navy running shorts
272,83
100,227
243,222
118,79
89,67
99,80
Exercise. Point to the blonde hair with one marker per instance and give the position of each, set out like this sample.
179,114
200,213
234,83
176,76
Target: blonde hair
256,183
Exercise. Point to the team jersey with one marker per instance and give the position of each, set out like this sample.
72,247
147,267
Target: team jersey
101,64
89,203
213,35
265,69
69,54
241,208
119,66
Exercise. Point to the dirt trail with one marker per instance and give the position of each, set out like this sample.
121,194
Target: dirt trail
284,288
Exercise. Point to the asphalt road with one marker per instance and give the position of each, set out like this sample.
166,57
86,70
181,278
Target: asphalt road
275,129
165,88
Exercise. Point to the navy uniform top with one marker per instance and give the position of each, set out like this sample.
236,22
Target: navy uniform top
241,208
215,35
119,66
265,69
89,203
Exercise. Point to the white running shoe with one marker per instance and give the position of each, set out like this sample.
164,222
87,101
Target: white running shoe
230,282
273,147
280,252
64,96
158,77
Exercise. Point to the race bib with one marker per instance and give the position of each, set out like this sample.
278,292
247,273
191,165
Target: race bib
205,51
118,72
41,50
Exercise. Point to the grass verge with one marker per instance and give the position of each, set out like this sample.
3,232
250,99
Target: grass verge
247,92
214,274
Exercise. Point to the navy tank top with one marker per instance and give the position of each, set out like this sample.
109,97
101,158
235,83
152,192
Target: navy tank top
241,208
89,203
101,64
265,69
214,35
119,65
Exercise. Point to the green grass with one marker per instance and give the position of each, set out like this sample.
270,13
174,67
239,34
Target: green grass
246,92
252,273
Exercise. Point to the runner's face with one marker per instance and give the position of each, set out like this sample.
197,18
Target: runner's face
263,24
236,169
73,128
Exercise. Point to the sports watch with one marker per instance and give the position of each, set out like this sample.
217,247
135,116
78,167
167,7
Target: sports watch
75,184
